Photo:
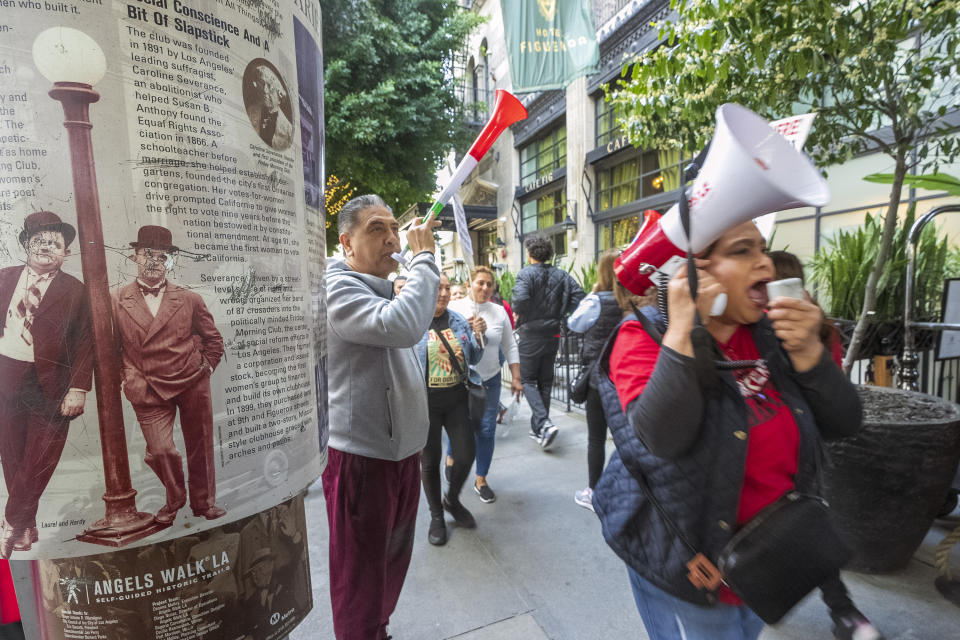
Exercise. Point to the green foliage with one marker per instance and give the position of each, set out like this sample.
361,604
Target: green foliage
863,67
930,182
585,275
391,112
506,280
860,65
841,267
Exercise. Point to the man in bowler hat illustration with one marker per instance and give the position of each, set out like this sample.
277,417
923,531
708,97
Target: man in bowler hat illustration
170,347
46,370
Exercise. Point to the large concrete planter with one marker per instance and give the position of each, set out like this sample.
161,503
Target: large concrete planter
887,483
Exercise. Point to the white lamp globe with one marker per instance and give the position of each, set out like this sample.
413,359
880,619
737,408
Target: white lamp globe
63,54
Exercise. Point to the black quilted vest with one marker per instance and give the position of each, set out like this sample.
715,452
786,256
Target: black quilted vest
700,490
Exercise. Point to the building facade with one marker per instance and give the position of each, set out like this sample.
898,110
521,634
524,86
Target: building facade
567,171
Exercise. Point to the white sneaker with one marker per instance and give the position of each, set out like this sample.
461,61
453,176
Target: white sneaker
584,498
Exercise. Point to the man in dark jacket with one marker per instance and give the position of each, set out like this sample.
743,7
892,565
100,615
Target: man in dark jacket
542,297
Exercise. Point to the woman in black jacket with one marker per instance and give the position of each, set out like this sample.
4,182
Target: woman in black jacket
713,447
596,317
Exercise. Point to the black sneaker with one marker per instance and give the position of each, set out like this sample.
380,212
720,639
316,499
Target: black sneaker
485,492
460,514
447,471
437,535
853,625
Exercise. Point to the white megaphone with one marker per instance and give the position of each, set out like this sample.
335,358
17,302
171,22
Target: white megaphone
749,171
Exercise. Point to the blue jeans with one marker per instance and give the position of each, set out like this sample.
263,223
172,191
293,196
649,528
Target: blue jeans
667,617
486,436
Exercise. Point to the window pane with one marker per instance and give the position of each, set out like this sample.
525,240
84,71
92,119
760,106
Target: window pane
604,241
543,155
607,126
650,184
559,246
626,184
624,231
529,214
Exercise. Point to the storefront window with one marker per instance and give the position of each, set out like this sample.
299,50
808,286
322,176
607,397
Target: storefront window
608,126
543,155
618,233
639,177
545,211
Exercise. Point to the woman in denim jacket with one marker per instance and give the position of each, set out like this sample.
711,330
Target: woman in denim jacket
446,350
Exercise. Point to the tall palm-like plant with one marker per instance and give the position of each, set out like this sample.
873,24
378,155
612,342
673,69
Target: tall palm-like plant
842,266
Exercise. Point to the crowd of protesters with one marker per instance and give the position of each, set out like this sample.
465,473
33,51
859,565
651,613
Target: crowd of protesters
410,355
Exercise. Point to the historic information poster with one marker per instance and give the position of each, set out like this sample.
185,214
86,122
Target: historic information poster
161,254
162,348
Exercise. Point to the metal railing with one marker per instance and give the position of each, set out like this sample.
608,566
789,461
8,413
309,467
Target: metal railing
908,372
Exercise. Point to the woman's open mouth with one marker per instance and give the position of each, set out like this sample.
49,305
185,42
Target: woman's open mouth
757,293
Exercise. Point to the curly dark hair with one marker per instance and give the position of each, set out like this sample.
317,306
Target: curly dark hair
539,248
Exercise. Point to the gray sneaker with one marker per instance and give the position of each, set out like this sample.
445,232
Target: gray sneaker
547,434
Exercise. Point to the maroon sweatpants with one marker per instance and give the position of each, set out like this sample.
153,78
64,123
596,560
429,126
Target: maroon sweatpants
372,512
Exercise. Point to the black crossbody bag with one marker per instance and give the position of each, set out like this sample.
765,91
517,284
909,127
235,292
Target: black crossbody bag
476,393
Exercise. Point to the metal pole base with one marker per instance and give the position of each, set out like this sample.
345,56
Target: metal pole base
122,529
122,523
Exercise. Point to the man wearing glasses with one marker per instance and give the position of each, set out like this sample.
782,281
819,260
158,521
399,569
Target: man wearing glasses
170,347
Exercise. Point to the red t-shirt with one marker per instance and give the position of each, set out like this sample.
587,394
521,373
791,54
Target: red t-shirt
773,441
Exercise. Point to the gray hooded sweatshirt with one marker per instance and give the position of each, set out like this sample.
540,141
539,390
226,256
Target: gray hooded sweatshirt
378,396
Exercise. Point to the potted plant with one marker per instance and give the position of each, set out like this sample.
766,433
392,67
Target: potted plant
841,268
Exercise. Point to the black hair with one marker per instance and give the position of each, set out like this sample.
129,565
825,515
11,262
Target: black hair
539,248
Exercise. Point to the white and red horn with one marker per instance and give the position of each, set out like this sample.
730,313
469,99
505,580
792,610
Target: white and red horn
749,171
506,110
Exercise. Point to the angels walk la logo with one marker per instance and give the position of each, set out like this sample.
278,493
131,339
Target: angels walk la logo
72,588
548,9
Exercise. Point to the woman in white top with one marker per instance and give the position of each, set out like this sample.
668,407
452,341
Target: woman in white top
490,320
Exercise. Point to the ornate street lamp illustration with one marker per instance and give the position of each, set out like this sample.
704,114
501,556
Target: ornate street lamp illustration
74,62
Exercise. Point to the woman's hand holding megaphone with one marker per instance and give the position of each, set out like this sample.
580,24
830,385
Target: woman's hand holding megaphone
681,305
797,323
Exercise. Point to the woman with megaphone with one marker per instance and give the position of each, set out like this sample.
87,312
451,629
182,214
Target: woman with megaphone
718,421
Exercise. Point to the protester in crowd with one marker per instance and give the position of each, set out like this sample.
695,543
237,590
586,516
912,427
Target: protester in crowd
378,413
596,317
845,615
490,321
717,445
398,284
457,292
542,297
788,265
447,352
500,300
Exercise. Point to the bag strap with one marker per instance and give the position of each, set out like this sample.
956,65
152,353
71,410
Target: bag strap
647,325
453,358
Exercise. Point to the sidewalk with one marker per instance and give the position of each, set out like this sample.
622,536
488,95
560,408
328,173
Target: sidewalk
537,567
